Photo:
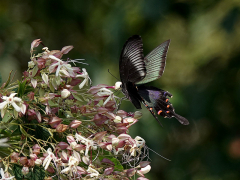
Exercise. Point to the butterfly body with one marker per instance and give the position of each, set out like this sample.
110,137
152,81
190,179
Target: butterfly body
137,70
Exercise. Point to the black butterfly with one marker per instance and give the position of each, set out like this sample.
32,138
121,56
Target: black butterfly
135,70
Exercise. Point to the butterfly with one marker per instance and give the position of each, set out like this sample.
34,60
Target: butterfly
136,70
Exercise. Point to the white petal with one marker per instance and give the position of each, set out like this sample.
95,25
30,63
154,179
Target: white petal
23,108
16,107
17,99
65,170
55,58
82,84
12,95
3,104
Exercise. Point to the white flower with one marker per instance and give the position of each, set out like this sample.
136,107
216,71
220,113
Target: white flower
65,93
72,166
89,143
62,67
93,172
106,92
49,158
3,142
11,100
3,176
85,76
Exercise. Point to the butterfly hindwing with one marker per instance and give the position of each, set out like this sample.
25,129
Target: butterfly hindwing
158,99
155,62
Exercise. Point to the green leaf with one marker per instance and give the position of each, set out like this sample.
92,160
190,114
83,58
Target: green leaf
0,79
52,104
7,117
37,173
8,80
118,166
77,97
41,92
21,88
25,133
34,71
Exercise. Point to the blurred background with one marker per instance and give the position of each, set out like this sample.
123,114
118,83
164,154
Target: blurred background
202,72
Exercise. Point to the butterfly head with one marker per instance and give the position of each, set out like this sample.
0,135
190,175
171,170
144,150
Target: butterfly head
118,85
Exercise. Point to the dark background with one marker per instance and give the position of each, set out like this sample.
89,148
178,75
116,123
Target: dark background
202,69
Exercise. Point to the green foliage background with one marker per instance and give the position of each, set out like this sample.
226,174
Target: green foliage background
202,72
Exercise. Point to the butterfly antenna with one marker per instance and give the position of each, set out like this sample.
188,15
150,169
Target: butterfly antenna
159,154
112,75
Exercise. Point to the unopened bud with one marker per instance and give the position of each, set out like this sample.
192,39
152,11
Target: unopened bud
117,119
65,93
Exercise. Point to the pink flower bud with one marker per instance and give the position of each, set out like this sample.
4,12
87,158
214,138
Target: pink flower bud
131,172
102,110
31,95
50,169
121,130
55,121
31,162
74,124
124,136
95,89
33,156
144,164
23,160
75,81
66,49
81,170
110,115
31,114
122,113
142,178
63,145
99,119
121,144
36,146
35,43
70,139
86,160
36,151
15,156
80,147
100,135
107,161
61,128
108,171
25,170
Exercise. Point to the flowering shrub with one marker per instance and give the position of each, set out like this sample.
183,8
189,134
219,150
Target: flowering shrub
58,127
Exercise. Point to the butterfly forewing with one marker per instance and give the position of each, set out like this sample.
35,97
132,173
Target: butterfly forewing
131,64
155,62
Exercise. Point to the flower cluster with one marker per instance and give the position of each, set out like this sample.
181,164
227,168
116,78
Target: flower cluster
57,126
